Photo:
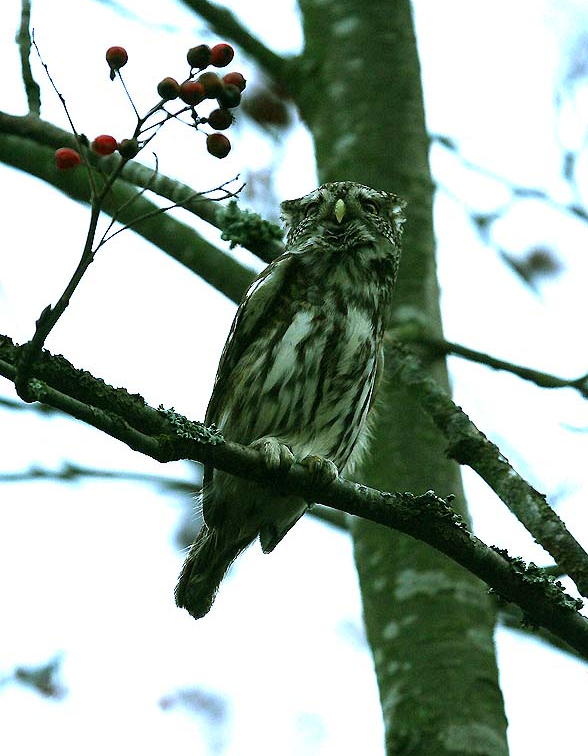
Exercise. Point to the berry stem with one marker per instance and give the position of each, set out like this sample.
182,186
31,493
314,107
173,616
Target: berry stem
128,94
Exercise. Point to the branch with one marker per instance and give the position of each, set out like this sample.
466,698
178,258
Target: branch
510,616
224,23
165,436
517,191
18,406
440,346
44,133
23,40
70,473
468,446
175,238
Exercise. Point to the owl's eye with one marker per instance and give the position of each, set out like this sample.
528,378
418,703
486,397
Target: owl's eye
311,208
370,206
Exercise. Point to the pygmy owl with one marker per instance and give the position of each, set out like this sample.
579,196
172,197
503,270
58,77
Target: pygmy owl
298,373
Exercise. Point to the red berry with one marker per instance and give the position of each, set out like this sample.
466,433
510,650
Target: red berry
230,96
199,56
116,57
104,144
212,84
220,119
235,78
128,148
218,145
192,92
168,88
221,55
66,158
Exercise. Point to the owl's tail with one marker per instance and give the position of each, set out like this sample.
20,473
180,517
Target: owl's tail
210,556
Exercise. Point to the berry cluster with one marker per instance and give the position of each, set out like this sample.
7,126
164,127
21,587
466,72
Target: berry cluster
200,86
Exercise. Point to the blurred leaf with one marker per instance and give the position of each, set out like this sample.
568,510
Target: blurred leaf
537,263
267,107
444,141
43,679
578,211
569,165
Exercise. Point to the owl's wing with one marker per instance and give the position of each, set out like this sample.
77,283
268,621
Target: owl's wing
250,316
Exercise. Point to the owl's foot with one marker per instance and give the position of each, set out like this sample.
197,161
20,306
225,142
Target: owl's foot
322,470
277,457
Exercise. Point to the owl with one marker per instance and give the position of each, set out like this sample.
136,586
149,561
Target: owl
298,373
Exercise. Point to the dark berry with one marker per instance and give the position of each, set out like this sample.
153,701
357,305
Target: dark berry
104,144
220,119
235,78
168,88
218,145
221,55
192,92
66,158
128,148
212,84
230,96
199,56
116,57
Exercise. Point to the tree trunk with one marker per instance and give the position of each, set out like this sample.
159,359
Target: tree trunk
429,622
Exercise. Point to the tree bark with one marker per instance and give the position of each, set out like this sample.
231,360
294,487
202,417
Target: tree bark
429,622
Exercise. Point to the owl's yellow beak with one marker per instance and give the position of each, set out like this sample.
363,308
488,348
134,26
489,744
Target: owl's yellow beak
339,210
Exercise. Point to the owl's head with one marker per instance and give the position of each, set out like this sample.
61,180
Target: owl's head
346,213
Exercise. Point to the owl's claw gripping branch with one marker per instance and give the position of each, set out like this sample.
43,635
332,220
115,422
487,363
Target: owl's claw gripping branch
322,470
276,455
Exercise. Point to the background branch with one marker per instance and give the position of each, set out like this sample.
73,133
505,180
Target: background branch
426,517
413,333
44,133
23,40
177,239
468,446
224,23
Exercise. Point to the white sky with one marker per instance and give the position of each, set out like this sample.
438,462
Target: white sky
90,568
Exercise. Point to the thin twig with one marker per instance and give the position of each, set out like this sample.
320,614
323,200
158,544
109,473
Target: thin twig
128,94
443,347
34,131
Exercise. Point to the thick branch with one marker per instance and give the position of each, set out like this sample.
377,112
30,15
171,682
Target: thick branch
175,238
23,39
468,446
166,436
224,23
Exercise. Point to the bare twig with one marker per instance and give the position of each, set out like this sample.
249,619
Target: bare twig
443,347
34,131
468,446
166,436
70,473
517,191
23,40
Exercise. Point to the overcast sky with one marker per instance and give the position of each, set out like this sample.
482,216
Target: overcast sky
89,568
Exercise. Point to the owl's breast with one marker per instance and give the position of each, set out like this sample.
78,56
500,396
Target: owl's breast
307,381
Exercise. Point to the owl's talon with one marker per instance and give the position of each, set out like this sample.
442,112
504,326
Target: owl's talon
322,470
277,457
